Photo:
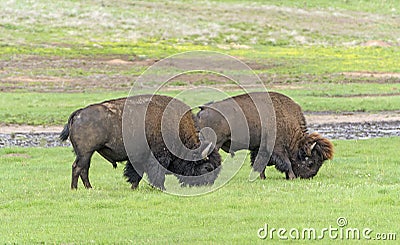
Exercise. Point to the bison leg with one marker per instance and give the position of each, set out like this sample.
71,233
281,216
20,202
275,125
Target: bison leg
262,174
290,174
283,164
289,171
76,172
132,175
85,178
258,163
156,173
81,168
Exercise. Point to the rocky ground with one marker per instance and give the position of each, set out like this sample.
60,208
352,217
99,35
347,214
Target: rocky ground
332,126
355,125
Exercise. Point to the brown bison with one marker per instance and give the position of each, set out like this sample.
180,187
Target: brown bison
296,152
133,129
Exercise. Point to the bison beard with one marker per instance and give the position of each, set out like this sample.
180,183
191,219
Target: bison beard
310,158
98,127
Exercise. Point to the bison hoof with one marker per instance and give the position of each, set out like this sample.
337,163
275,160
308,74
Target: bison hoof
134,186
290,176
157,187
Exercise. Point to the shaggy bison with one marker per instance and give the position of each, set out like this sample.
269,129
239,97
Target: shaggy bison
136,135
296,152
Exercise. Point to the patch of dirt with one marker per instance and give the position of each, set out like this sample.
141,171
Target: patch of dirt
372,74
376,43
233,46
119,62
351,117
364,95
22,155
141,63
13,128
64,84
55,74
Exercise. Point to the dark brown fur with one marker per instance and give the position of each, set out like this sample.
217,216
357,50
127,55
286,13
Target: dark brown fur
292,152
99,127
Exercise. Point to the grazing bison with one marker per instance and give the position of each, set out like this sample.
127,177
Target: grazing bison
296,152
139,141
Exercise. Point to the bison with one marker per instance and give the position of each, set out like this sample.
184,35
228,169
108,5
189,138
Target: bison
296,152
132,129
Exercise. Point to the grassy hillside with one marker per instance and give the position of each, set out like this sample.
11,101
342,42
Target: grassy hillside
335,22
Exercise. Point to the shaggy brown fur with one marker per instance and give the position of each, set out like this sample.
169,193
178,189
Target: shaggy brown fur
294,151
99,127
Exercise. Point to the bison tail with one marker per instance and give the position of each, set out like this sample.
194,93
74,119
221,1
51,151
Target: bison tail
64,133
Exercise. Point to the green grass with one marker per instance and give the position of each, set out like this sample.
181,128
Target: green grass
55,108
293,61
349,89
326,60
354,5
46,108
367,104
360,184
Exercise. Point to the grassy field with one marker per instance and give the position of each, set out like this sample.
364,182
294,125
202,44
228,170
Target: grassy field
58,56
55,108
360,184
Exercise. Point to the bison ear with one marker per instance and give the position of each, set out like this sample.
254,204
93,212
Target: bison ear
322,145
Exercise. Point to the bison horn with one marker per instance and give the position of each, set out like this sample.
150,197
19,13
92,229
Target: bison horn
204,153
312,146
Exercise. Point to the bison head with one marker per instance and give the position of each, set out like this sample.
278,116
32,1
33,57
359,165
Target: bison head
313,151
212,118
201,172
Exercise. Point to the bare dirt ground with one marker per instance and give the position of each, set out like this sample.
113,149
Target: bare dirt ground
372,74
11,129
352,117
47,74
118,73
